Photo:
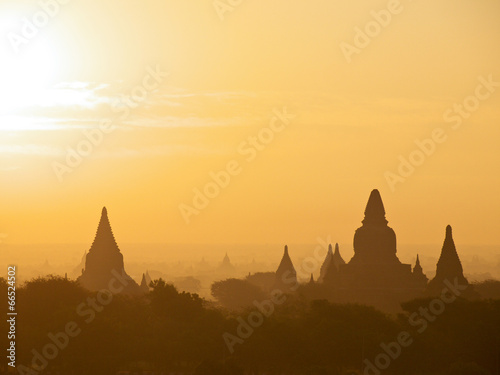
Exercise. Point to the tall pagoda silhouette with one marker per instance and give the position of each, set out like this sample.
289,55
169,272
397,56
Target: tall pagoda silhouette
286,276
374,275
104,261
375,263
418,273
448,266
331,260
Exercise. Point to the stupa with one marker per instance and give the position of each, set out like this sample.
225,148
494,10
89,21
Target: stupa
104,260
448,267
286,276
375,264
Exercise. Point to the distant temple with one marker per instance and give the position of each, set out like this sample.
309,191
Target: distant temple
225,266
332,259
448,267
103,258
144,284
418,273
375,275
286,276
375,264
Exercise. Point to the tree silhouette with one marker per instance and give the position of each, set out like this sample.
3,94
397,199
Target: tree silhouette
236,294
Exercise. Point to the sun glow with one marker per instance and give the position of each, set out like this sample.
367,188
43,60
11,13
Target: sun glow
26,80
25,77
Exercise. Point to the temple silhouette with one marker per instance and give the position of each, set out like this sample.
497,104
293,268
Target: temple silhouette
332,260
375,275
286,276
104,260
375,264
448,266
226,267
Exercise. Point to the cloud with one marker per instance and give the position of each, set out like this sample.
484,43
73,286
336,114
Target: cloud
154,151
31,149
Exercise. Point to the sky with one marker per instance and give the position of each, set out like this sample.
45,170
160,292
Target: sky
297,109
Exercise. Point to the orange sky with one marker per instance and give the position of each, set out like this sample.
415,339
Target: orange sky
311,175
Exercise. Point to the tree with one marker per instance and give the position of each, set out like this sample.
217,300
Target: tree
167,301
236,294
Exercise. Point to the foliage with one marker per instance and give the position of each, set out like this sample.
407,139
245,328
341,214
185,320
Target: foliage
236,294
177,332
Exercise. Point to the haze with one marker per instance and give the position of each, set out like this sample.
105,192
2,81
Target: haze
225,80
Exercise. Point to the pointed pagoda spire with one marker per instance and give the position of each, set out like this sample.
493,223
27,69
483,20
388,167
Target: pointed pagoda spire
449,266
311,280
375,212
326,263
225,265
332,262
337,258
418,276
148,278
144,284
104,259
418,268
332,268
286,262
449,263
104,238
286,270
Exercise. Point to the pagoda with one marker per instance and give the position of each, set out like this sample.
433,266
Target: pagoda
326,263
332,266
286,276
104,260
418,273
226,267
144,284
448,267
374,275
375,264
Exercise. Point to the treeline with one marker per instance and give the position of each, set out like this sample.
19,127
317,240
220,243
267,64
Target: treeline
64,329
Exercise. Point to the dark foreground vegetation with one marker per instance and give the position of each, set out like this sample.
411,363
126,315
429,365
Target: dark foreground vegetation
63,329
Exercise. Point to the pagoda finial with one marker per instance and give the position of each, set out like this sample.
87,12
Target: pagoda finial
337,251
337,258
104,236
144,284
330,250
448,233
417,268
374,212
285,269
449,265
